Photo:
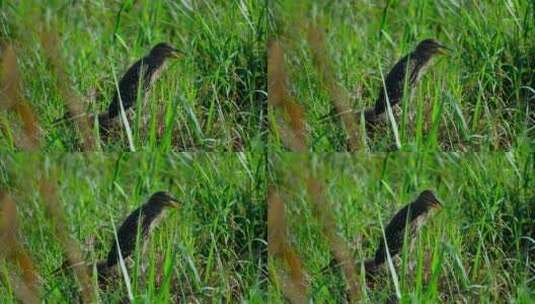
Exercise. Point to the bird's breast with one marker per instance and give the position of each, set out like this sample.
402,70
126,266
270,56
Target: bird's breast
155,74
420,221
156,221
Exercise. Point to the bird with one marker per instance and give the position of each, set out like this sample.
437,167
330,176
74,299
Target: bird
148,216
410,67
414,215
143,72
410,218
144,219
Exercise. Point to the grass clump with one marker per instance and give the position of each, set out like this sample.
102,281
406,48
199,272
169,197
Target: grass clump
477,98
478,248
210,249
213,98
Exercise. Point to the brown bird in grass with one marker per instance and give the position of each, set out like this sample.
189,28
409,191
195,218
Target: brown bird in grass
143,72
411,68
141,75
410,218
144,219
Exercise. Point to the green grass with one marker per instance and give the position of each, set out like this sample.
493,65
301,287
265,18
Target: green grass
481,244
478,98
211,99
214,246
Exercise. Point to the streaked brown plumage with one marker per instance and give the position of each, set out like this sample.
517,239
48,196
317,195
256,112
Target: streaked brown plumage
144,219
415,65
143,72
411,218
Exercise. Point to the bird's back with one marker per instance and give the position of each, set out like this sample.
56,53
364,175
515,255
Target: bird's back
394,236
126,237
394,83
128,89
395,230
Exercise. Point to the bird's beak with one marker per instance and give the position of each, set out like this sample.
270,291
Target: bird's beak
173,203
442,49
438,204
176,53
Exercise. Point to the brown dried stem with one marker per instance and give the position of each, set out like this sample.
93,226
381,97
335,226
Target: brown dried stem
14,100
294,285
27,289
50,42
293,136
72,249
339,248
338,94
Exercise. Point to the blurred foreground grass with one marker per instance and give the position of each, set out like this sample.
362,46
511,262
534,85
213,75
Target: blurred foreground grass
479,249
211,249
479,97
213,98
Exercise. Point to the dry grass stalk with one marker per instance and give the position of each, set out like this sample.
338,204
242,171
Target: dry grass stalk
27,289
50,42
293,136
72,249
14,100
338,95
339,248
294,285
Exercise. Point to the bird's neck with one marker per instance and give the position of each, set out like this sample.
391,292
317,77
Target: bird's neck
422,57
153,210
154,61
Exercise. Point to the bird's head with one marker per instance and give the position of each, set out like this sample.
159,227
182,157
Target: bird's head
431,47
165,50
164,199
429,198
